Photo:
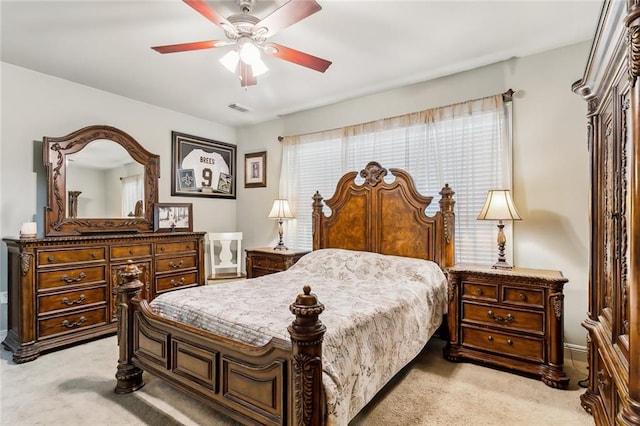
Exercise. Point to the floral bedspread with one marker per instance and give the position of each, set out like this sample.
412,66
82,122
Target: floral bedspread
379,312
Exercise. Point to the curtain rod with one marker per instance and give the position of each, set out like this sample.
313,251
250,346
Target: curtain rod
506,97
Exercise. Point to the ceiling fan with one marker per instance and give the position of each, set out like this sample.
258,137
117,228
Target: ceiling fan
249,35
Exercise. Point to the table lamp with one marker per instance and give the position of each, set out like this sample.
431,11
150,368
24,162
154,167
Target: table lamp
499,206
280,210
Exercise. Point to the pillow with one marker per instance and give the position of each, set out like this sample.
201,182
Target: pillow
350,264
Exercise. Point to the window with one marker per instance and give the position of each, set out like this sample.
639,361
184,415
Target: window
466,145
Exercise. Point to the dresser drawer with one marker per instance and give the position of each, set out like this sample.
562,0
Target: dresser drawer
522,296
176,263
57,257
176,281
72,322
175,247
503,343
269,263
471,290
66,277
72,299
532,322
126,252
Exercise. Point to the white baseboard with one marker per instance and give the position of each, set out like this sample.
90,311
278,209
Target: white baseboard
577,353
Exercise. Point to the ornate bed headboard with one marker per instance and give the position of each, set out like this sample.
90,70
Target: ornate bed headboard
387,218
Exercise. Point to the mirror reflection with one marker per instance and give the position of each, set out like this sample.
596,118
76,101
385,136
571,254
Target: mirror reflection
104,181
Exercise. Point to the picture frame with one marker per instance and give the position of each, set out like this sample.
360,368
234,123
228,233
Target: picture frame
202,167
173,217
255,170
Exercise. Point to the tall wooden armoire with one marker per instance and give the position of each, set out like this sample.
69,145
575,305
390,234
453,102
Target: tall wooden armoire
611,87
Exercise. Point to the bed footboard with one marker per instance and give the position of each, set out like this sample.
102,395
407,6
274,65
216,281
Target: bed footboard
276,384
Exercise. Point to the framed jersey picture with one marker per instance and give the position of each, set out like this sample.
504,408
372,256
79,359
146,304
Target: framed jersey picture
202,167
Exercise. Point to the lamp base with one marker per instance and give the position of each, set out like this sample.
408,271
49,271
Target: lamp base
280,246
501,264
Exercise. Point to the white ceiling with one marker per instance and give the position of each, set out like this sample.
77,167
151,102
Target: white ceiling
374,45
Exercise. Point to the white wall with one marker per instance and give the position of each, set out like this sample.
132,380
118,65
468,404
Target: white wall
35,105
550,159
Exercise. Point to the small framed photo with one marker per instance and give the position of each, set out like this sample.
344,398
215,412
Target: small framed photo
255,170
202,167
173,217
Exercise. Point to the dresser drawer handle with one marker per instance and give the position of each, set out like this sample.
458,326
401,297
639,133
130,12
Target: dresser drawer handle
509,342
74,324
50,258
523,297
176,265
161,248
93,255
73,280
479,291
177,283
130,251
498,318
74,302
490,338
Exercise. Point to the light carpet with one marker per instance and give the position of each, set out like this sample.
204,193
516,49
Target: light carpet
74,386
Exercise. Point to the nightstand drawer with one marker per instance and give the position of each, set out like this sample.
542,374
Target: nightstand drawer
503,343
522,296
269,263
471,290
532,322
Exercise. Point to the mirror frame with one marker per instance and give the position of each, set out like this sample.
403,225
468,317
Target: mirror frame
55,150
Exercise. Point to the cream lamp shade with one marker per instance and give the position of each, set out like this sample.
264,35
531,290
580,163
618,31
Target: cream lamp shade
280,210
499,206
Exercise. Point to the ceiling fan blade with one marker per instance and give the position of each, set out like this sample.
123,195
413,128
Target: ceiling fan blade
297,57
208,12
246,75
286,15
196,45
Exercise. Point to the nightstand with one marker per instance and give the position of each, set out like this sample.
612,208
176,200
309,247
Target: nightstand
511,319
266,260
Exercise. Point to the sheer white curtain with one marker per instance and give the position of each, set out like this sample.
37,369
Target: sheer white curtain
467,145
132,187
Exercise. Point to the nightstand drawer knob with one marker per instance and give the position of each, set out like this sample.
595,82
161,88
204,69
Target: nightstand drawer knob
498,318
490,338
509,342
523,297
479,291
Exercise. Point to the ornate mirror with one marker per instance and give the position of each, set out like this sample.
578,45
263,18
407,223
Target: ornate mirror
100,180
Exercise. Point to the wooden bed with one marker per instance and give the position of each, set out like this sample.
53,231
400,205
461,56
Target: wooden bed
280,383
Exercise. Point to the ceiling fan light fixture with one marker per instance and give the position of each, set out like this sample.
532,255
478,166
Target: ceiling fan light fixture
230,60
258,67
249,53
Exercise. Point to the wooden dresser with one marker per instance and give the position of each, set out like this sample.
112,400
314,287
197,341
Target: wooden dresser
511,319
266,260
61,289
611,90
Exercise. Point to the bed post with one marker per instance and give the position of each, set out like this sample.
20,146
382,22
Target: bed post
446,209
129,377
307,332
316,220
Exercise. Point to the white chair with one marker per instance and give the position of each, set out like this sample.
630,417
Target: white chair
223,264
